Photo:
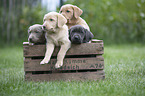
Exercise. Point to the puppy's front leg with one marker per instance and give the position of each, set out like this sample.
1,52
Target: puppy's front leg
49,50
61,54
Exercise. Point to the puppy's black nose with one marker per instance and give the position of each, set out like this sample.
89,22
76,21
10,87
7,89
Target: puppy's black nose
76,37
30,39
44,27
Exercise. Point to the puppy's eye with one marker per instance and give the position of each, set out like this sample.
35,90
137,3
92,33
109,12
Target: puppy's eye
60,11
67,11
36,32
51,20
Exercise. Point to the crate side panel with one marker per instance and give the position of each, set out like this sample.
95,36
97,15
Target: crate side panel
69,64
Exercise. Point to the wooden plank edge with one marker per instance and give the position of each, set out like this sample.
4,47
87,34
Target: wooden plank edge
92,41
66,76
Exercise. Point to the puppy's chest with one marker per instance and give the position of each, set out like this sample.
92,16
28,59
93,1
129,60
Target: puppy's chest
70,25
58,42
55,40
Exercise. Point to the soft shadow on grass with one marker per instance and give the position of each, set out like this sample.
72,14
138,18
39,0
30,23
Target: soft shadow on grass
124,71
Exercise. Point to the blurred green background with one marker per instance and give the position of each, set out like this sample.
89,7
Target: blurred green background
114,21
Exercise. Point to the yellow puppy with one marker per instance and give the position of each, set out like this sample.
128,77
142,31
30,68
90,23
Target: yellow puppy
56,35
72,14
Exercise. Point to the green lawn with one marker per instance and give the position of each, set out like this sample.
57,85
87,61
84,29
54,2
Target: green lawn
124,71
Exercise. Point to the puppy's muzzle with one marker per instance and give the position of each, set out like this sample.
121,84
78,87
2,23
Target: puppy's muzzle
76,39
44,27
31,40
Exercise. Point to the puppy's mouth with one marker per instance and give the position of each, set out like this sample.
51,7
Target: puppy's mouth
44,28
31,40
51,29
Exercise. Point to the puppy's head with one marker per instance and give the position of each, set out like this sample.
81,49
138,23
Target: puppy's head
78,34
70,12
52,21
36,34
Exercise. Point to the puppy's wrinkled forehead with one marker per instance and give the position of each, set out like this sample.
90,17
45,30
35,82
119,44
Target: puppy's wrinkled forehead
35,27
77,28
50,16
66,7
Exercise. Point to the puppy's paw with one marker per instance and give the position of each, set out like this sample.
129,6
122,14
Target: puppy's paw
58,64
44,61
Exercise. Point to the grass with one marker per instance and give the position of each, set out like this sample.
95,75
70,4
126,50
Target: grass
124,71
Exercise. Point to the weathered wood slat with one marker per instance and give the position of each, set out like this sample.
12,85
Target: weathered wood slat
76,49
98,75
69,64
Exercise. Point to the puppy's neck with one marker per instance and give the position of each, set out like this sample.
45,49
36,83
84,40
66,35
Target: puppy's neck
73,21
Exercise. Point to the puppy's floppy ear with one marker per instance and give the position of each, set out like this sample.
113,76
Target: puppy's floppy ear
88,36
70,31
60,10
61,20
77,11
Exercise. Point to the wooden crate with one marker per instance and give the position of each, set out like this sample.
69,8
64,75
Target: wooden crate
82,62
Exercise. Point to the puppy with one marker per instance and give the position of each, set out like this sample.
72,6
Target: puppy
56,35
72,14
36,34
78,34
